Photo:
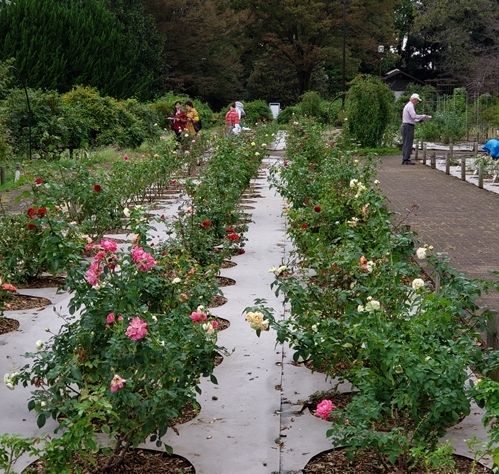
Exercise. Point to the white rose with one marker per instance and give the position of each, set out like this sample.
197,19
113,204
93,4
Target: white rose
177,280
253,144
126,212
360,308
376,181
417,283
39,344
370,266
353,183
372,305
257,154
421,253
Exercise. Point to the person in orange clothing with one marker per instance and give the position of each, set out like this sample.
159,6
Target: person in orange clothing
232,121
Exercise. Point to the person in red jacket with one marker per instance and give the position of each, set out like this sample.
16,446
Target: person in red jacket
178,120
232,121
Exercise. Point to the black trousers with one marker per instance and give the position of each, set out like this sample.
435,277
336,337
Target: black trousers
407,132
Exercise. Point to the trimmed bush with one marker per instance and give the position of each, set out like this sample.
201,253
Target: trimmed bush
368,104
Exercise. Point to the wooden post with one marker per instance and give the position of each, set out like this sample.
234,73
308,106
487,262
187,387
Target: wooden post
447,162
2,176
463,168
492,339
475,146
424,153
416,152
451,150
433,159
480,176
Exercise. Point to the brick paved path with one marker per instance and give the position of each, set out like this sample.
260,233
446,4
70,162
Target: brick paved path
455,217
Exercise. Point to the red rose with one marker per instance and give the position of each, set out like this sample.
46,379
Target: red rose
41,212
317,208
30,226
229,230
31,212
38,181
233,236
97,188
304,226
206,223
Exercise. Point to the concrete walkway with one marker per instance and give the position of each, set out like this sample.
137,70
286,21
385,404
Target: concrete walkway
456,217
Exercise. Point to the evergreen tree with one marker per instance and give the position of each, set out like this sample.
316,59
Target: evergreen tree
60,43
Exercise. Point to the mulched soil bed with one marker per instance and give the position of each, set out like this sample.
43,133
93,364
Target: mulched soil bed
218,359
217,301
336,462
8,325
137,461
44,282
224,281
189,412
340,400
222,323
227,264
17,302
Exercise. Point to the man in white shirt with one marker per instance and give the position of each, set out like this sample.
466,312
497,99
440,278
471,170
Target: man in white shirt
409,120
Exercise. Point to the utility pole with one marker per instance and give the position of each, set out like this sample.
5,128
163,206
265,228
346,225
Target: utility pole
344,50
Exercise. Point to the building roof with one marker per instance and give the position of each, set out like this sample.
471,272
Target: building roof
394,74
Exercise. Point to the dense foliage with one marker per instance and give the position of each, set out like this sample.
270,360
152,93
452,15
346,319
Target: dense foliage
222,51
362,310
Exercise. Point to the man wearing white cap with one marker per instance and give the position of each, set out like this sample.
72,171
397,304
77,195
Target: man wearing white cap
409,120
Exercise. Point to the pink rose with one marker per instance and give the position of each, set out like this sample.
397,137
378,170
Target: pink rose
214,324
117,383
108,245
144,261
137,329
93,273
110,318
198,316
99,256
324,409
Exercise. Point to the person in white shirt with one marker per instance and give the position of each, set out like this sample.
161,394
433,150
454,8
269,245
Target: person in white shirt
409,120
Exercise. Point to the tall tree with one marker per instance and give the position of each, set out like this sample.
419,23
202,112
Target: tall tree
203,47
458,39
59,44
313,34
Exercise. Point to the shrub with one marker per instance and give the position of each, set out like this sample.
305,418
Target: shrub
310,104
256,111
286,115
368,103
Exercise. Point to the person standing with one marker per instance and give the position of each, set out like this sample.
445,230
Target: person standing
178,120
232,121
409,120
192,118
240,110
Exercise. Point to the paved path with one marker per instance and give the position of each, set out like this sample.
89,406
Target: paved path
455,217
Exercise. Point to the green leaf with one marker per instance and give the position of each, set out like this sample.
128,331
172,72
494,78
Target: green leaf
168,449
31,405
40,421
213,379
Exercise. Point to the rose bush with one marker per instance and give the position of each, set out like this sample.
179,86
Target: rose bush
360,310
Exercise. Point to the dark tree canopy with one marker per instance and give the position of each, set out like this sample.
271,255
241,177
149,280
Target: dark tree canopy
57,44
